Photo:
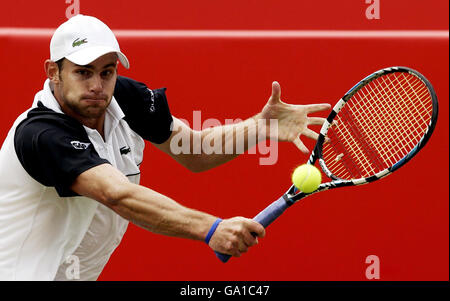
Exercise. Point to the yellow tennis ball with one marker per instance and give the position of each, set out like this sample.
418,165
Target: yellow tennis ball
306,178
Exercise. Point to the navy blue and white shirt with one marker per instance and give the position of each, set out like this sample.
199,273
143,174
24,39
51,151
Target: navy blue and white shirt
44,226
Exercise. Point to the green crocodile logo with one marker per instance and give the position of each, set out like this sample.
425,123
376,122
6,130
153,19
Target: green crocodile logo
79,42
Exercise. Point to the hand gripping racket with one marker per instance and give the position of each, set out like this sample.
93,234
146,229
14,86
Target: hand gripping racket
378,126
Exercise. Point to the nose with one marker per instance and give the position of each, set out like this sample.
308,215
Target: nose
96,84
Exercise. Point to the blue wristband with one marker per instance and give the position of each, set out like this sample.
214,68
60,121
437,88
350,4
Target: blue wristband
212,230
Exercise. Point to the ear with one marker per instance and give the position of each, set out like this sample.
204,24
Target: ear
52,71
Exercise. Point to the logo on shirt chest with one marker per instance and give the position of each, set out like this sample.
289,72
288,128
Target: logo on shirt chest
125,150
79,145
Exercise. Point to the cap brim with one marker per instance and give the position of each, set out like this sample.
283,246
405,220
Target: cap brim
87,55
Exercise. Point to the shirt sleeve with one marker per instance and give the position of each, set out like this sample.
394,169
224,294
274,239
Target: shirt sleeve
55,151
146,111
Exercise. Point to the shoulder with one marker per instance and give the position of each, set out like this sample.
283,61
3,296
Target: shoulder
44,120
133,95
126,84
54,149
146,110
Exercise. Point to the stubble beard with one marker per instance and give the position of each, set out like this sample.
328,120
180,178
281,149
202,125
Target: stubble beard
90,112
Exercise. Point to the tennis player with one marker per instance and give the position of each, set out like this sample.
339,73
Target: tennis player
69,167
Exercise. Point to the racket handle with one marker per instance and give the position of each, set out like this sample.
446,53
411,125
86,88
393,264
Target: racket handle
265,218
272,212
223,257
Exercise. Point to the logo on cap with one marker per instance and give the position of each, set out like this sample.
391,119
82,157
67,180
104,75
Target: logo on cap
79,42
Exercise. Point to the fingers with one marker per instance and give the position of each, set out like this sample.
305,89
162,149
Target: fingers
317,107
276,93
310,134
300,145
256,228
250,235
236,235
316,120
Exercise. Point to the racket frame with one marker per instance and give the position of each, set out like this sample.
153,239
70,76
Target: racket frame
317,155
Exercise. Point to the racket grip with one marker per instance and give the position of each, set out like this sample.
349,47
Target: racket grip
265,218
272,212
223,257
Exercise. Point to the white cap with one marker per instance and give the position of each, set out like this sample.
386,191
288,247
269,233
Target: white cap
83,39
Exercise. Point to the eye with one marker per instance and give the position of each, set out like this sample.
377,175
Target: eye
107,73
82,72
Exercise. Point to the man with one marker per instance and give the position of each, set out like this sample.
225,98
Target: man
69,167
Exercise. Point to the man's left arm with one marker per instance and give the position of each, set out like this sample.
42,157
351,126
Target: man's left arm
202,150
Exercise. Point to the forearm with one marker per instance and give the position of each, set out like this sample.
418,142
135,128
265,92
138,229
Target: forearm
140,205
160,214
218,145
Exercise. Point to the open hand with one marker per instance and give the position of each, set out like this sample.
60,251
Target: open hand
293,120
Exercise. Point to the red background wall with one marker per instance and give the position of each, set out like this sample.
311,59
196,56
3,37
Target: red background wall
403,219
233,14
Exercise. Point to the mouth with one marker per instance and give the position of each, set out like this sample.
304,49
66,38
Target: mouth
94,100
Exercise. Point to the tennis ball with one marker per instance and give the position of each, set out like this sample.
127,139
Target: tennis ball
306,178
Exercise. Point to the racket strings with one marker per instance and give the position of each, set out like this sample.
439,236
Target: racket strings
360,145
383,132
393,120
410,130
416,126
395,117
378,126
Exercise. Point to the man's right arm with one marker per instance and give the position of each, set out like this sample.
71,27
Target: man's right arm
56,151
160,214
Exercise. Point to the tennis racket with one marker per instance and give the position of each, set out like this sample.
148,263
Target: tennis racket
378,126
